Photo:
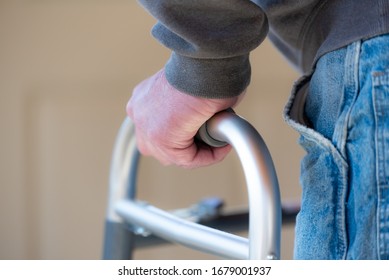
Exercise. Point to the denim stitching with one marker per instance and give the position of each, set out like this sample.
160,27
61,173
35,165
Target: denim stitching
381,79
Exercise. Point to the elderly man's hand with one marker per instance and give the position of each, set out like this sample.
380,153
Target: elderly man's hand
166,121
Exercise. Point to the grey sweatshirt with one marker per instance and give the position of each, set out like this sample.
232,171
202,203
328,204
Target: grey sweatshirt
211,39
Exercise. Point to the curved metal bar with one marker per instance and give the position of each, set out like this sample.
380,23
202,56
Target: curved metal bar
124,169
264,198
262,184
177,230
118,240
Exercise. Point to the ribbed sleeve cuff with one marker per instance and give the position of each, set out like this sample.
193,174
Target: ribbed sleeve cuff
209,78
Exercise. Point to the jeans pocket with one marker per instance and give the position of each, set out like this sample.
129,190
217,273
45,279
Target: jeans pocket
320,225
381,111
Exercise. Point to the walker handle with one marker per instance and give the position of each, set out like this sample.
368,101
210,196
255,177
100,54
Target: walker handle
263,196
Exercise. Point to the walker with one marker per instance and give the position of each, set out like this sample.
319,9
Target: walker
128,220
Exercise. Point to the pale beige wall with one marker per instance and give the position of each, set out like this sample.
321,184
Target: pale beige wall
66,72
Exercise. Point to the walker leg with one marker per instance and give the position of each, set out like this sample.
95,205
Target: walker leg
118,241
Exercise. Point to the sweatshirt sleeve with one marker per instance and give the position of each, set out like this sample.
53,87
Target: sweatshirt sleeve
210,42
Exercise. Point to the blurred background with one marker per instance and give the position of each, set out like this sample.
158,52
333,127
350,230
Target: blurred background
67,69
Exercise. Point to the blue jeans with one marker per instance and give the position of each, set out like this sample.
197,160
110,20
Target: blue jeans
342,114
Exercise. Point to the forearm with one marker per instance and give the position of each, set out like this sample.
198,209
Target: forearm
211,41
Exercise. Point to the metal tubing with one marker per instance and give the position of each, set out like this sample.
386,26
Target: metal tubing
264,197
118,241
262,184
177,230
124,169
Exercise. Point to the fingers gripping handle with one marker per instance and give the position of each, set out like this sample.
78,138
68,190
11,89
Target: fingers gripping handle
206,136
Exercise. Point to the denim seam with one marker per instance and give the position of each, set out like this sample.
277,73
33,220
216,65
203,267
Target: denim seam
351,75
341,214
380,79
378,215
350,93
